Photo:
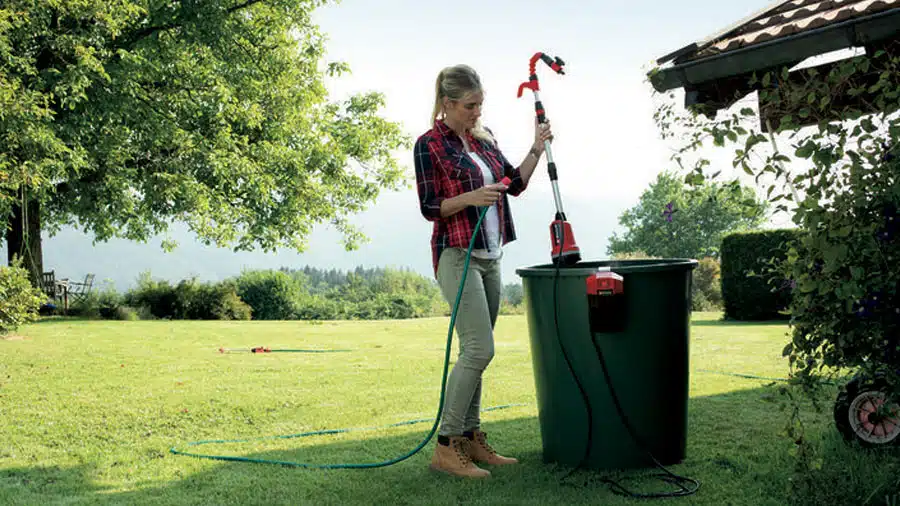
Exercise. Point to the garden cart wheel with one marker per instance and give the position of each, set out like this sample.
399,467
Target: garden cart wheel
862,414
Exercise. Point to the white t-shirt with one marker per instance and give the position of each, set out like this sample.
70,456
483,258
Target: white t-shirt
491,222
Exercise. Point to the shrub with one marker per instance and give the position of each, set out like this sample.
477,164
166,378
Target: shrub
229,305
631,255
273,295
158,297
512,309
125,313
319,307
706,288
188,300
109,303
209,301
749,292
87,306
19,300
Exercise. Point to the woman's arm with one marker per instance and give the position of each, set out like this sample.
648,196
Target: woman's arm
521,175
453,205
433,203
431,200
526,168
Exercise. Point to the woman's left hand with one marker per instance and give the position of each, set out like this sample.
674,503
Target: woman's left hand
542,133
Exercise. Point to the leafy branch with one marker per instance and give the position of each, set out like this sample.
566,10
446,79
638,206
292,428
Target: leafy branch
831,136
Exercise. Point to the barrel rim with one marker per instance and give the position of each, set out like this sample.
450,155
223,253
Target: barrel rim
583,269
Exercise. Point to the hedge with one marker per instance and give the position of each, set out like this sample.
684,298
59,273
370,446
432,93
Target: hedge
749,292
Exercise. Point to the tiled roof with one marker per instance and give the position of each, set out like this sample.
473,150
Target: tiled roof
790,18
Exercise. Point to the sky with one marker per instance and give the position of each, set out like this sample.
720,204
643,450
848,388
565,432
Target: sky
607,147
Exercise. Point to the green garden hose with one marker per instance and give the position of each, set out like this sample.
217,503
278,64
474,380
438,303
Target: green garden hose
385,463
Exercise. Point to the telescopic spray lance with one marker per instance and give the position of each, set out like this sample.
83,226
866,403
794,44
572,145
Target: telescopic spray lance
564,251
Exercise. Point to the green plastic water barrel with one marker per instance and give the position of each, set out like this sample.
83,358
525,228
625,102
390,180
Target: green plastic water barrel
643,333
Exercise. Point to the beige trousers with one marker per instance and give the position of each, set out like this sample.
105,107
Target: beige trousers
475,321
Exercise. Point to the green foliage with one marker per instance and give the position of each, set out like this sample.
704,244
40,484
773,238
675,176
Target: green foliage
322,308
19,300
749,290
630,255
701,216
121,116
839,178
85,307
844,131
513,294
157,296
850,474
209,301
283,294
188,300
363,294
273,295
508,309
706,288
104,303
368,294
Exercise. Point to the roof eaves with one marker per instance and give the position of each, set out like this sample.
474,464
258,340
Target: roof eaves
698,46
853,32
806,16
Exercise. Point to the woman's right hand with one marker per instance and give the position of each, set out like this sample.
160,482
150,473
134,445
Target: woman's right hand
486,195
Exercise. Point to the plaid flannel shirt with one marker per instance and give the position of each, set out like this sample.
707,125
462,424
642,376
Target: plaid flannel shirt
444,170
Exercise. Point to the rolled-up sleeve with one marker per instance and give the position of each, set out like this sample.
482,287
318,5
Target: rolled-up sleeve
427,182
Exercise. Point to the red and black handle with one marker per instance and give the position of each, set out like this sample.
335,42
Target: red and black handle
532,84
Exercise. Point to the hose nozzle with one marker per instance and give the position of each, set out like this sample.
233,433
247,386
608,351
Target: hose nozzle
532,84
556,64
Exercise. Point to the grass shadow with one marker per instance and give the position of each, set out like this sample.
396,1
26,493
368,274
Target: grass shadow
733,448
59,319
737,323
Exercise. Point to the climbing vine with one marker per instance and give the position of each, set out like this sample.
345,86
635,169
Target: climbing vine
822,144
838,177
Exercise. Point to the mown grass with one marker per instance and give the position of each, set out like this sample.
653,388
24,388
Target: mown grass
90,409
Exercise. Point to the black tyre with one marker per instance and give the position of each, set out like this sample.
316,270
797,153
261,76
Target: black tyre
860,414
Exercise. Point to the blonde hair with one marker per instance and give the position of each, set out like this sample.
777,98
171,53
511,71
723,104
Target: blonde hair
456,83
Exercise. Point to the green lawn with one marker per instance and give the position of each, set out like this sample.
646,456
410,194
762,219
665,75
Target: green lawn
89,410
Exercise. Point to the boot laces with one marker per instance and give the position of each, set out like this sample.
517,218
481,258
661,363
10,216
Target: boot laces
481,439
461,453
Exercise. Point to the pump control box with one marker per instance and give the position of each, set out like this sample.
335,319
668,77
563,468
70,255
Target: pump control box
606,301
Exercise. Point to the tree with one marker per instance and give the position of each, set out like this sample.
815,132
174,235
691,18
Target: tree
513,293
123,116
673,220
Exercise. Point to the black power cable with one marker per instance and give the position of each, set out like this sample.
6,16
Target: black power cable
667,476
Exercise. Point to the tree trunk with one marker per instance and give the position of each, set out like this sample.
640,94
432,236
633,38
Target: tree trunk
26,229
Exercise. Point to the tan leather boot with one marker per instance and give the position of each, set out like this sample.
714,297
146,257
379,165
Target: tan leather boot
454,459
480,451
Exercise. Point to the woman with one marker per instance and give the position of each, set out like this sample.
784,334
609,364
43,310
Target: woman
457,166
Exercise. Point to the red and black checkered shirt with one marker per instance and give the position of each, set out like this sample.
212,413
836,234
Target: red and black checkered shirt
443,171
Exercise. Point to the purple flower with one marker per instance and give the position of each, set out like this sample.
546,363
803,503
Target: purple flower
670,210
891,223
867,307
